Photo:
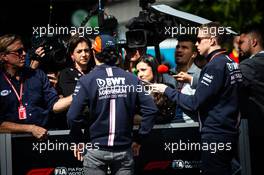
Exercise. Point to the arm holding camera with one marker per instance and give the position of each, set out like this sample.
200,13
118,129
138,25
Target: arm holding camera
39,53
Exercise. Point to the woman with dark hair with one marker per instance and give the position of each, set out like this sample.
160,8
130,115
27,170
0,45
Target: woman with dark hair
81,62
147,71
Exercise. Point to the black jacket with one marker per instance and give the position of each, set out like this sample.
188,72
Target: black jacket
252,92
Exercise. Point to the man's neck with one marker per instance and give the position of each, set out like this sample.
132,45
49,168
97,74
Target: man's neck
11,70
256,50
213,48
182,68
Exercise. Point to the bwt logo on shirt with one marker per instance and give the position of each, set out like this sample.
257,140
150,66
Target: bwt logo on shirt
232,66
110,81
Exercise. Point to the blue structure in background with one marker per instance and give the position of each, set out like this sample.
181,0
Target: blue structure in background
167,50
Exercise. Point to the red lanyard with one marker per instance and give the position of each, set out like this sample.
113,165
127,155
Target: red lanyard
19,97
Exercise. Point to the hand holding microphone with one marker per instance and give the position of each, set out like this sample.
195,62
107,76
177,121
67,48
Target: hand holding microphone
180,77
165,69
183,77
155,87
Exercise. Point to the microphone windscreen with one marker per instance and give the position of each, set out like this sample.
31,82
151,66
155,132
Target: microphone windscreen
162,69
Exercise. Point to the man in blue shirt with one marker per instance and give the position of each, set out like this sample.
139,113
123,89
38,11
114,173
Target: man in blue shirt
112,96
26,97
216,99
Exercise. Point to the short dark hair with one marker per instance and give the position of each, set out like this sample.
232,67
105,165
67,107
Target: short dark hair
72,44
108,56
74,41
256,29
189,38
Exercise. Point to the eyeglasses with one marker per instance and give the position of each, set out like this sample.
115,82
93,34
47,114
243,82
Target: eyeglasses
199,39
18,52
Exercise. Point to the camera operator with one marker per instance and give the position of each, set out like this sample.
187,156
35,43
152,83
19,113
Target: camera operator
34,64
26,97
49,54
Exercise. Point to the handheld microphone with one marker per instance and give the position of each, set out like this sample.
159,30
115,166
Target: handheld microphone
164,69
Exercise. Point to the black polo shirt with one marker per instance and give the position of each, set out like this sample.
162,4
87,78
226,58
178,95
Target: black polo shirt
67,81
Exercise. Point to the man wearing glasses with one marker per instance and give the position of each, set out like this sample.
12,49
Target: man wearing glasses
26,97
216,100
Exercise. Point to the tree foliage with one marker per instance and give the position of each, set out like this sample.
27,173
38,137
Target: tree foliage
234,13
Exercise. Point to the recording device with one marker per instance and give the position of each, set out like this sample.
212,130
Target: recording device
55,52
148,28
136,38
165,69
144,3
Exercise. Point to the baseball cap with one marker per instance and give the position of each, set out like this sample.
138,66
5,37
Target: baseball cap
102,42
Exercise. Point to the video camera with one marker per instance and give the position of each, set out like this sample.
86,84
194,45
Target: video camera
55,47
148,28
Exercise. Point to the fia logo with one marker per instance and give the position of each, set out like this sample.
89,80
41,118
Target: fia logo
178,164
60,171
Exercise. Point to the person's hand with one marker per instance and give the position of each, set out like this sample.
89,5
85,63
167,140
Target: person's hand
40,52
78,151
183,77
38,132
158,87
135,148
53,79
